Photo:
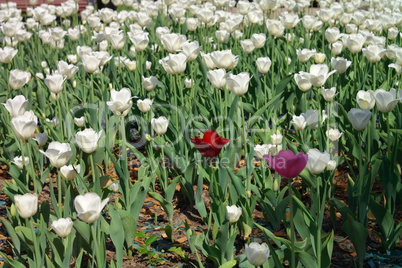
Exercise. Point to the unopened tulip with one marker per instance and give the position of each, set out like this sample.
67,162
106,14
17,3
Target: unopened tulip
120,101
275,27
340,65
263,64
26,205
336,48
247,46
62,227
79,121
217,78
299,122
287,164
385,100
303,81
328,93
24,125
276,139
222,36
69,172
373,53
319,58
332,35
312,118
87,140
257,254
333,134
233,213
55,83
91,63
41,138
365,99
172,42
238,84
258,40
114,186
174,63
16,106
191,50
89,207
224,59
355,42
140,40
261,150
144,105
150,83
160,125
58,153
359,118
18,78
331,165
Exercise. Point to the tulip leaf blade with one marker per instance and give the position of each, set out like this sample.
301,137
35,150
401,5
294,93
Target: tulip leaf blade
229,264
12,262
116,234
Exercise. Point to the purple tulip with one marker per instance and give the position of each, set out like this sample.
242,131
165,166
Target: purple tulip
286,163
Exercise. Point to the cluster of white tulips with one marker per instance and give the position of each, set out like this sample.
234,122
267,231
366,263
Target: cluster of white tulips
301,90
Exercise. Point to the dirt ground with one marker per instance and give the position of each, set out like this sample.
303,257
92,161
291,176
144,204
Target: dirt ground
166,253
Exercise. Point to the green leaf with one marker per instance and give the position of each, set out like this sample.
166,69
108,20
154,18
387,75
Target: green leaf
116,234
358,234
229,264
25,234
129,226
11,262
83,229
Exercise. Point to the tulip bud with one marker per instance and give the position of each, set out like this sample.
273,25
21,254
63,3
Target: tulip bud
148,65
257,253
188,82
276,139
62,227
114,186
276,186
87,140
328,93
233,213
331,165
359,118
144,105
333,134
69,172
41,138
319,58
89,207
26,205
160,125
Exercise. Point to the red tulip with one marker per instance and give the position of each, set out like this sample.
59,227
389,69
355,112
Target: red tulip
287,164
211,144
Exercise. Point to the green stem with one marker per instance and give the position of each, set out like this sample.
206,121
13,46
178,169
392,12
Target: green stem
95,240
59,193
37,253
292,228
123,162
